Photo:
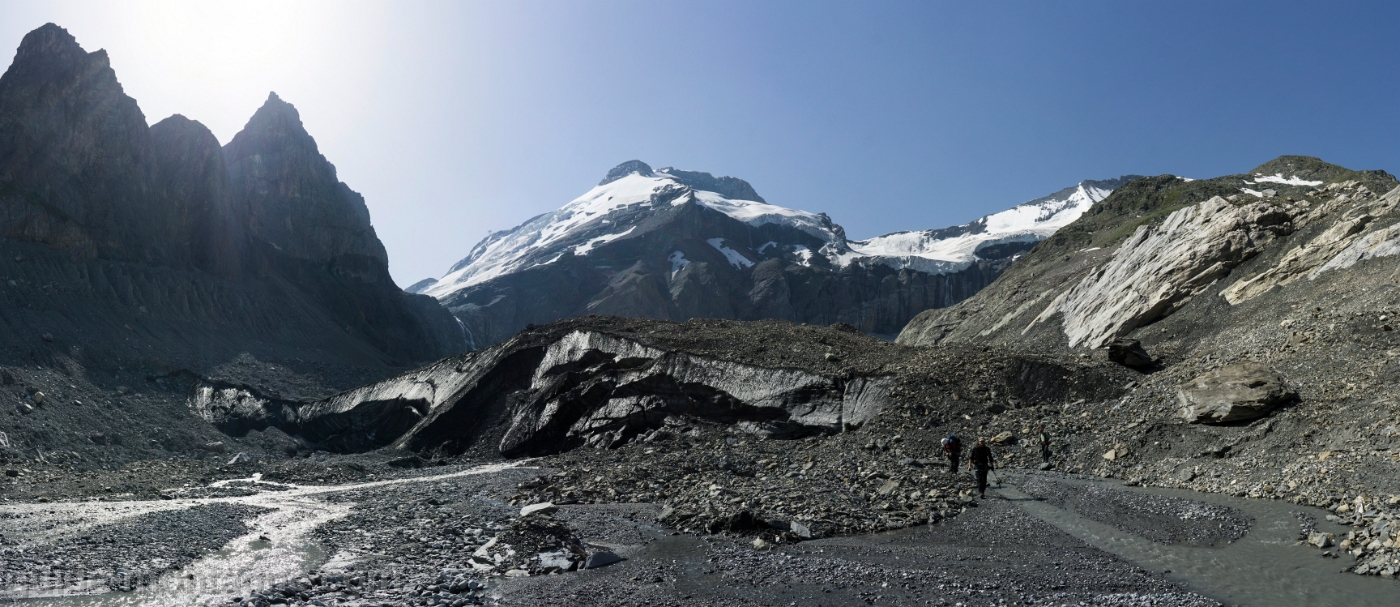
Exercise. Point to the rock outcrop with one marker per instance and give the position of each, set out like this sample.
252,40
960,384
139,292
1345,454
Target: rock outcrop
1300,261
1383,242
1160,268
1235,392
113,231
76,156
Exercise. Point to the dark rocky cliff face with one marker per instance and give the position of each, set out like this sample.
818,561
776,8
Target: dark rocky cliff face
190,171
295,202
307,227
114,231
76,156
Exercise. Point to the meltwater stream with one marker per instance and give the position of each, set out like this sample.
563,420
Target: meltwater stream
1262,569
245,564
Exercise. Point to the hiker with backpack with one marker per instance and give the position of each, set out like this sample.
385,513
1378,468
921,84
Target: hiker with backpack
952,449
981,459
1044,438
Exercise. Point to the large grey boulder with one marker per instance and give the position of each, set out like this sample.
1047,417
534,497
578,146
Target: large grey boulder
1236,392
602,558
1129,353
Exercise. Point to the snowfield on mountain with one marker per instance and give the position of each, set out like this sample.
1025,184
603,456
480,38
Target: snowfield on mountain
673,245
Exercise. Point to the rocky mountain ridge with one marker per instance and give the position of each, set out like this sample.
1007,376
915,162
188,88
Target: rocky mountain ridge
672,244
82,174
131,254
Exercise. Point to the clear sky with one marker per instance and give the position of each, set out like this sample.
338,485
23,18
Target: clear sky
455,118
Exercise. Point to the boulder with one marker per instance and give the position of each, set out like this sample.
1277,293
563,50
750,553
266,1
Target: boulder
740,522
540,508
557,560
407,461
1236,392
1129,353
602,558
1004,438
1321,540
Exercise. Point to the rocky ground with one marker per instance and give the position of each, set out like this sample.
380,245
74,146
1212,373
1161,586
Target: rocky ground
460,540
707,479
457,542
117,557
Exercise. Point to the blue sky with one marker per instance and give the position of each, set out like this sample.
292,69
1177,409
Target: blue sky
455,118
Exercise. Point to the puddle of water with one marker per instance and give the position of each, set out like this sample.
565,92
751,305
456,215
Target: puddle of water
1262,569
245,564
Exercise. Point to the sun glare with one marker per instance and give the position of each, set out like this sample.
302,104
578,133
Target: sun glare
216,62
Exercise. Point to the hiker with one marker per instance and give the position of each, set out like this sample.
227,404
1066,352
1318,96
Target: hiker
952,449
981,459
1044,438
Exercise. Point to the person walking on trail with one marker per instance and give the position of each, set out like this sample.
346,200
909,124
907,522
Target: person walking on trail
981,460
1044,438
952,449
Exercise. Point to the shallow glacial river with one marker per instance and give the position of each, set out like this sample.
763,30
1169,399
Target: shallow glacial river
1264,568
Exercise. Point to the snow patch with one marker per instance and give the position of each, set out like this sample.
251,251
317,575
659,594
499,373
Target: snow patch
735,258
678,261
761,213
1279,178
587,247
803,254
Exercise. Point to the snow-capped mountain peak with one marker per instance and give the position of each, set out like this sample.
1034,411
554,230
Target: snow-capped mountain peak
631,192
601,216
